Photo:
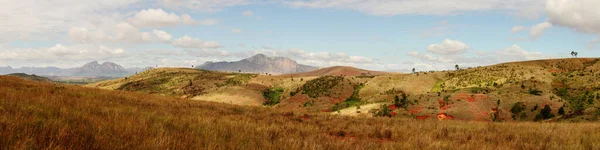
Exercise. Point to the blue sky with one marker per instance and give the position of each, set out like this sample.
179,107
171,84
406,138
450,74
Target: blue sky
377,35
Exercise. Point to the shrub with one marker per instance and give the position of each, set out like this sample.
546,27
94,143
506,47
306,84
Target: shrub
535,107
273,96
385,111
545,113
353,100
401,102
561,110
321,86
535,92
517,109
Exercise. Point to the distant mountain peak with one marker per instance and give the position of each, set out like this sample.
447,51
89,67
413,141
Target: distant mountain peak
259,63
259,56
93,63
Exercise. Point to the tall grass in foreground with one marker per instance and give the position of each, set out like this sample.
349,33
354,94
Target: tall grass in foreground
35,115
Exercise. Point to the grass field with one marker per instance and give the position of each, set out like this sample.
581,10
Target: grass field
36,115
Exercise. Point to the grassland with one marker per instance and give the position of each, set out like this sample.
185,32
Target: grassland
468,94
36,115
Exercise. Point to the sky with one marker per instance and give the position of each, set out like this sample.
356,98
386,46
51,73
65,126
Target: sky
387,35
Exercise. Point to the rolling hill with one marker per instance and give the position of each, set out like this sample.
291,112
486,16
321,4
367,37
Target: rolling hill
341,71
560,89
30,77
43,115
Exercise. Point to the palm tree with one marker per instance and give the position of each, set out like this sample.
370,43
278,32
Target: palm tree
413,70
456,66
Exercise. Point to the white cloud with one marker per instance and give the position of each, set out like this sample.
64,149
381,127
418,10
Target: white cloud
157,18
428,7
35,20
83,35
448,47
517,29
430,58
61,52
538,29
516,53
323,59
248,13
580,15
236,30
162,35
592,44
205,53
208,22
189,42
202,5
120,33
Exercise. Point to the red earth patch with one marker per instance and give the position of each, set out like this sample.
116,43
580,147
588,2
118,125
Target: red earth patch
422,117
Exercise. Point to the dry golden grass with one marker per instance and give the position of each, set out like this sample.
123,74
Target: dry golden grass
35,115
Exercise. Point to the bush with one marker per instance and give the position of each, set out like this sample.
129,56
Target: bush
517,109
273,96
545,113
385,111
353,100
535,92
320,86
561,110
403,103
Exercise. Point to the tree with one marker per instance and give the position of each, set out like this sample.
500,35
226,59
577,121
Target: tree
517,109
496,114
561,110
413,70
457,67
401,102
545,113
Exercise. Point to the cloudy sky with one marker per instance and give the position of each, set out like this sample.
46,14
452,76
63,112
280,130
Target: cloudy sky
369,34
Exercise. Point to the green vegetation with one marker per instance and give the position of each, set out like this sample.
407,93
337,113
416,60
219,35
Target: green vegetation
320,86
535,92
438,86
545,113
273,96
401,103
353,100
561,110
476,90
384,111
517,110
239,79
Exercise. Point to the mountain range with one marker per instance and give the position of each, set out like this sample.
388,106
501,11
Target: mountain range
107,69
259,63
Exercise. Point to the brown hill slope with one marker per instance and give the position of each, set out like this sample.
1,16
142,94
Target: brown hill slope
340,71
37,115
191,83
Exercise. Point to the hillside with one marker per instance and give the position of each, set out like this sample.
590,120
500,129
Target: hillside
259,64
550,90
41,115
30,77
341,71
191,83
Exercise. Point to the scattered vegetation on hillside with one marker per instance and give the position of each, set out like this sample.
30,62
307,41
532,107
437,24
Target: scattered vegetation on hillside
353,100
320,86
37,115
273,96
